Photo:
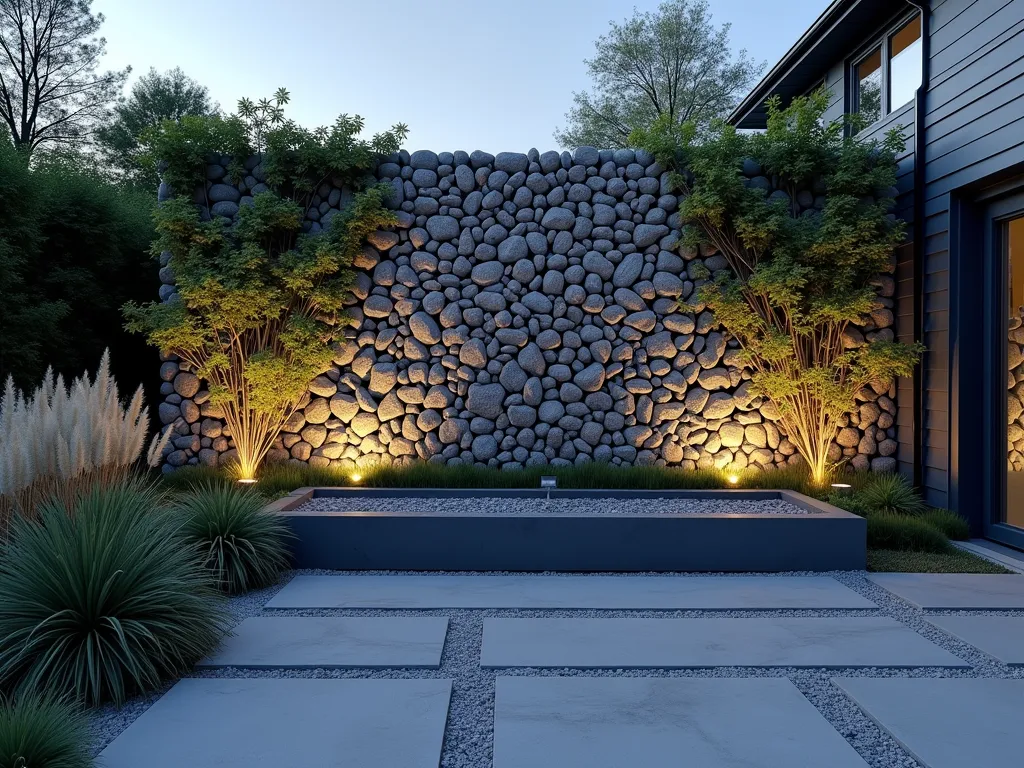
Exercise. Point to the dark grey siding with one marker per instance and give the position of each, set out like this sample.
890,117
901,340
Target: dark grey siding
974,127
835,80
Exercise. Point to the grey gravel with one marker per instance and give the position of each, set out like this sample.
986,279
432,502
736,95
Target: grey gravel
513,506
468,737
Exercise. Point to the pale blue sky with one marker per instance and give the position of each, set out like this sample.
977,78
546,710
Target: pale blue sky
463,74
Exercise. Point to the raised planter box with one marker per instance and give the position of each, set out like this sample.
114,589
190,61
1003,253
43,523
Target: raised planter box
825,538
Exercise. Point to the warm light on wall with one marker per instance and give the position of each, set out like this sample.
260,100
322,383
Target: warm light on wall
355,477
733,479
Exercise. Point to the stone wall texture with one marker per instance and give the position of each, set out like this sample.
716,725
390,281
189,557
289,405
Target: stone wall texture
526,311
1015,395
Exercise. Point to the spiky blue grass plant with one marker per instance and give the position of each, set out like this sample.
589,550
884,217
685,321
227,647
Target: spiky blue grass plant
241,544
104,603
892,494
41,732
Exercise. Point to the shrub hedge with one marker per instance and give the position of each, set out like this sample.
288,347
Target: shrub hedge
906,533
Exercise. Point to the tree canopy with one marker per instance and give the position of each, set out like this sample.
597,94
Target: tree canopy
259,303
673,62
800,276
73,249
155,97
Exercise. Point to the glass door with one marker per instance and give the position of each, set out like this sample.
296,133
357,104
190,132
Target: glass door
1009,242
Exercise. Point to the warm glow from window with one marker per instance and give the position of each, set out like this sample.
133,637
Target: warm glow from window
904,64
1015,264
888,77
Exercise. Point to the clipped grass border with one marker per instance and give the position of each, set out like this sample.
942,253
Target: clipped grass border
275,480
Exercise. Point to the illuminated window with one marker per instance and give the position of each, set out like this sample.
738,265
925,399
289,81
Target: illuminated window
888,76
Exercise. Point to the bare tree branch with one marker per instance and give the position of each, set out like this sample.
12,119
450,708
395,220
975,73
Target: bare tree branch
50,91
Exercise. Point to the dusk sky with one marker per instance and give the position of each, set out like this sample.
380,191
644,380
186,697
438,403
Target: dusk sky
463,74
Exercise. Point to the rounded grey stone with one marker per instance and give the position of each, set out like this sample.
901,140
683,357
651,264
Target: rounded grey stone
511,162
443,227
424,328
424,158
586,156
559,219
488,273
223,193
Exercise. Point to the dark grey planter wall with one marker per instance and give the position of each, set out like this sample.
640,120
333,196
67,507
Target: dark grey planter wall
524,311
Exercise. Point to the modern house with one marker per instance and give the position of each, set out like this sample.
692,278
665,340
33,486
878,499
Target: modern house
951,74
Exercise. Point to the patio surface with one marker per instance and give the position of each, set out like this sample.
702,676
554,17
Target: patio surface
413,670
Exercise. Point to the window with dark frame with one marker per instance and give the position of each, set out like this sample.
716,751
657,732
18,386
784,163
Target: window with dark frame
888,75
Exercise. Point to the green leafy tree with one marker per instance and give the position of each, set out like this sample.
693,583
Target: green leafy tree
50,91
673,62
27,318
799,280
261,304
73,249
155,97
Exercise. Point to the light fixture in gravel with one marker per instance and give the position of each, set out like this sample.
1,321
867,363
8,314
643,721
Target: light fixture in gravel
548,482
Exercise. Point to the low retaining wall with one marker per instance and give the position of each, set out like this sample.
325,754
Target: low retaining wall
828,538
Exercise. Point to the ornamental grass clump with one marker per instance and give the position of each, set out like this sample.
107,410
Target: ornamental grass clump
260,304
949,522
242,545
892,494
37,731
905,533
801,277
60,440
104,603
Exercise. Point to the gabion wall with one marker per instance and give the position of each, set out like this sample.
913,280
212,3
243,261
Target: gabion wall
525,311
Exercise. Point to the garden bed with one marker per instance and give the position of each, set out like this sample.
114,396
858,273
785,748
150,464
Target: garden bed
576,530
532,504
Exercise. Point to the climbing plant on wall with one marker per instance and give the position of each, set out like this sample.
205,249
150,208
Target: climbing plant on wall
800,275
260,303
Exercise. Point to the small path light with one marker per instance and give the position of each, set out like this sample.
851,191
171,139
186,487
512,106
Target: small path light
733,479
355,477
548,482
842,488
247,481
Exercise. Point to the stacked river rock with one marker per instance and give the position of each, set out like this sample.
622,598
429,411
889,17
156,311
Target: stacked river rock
1015,396
526,311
